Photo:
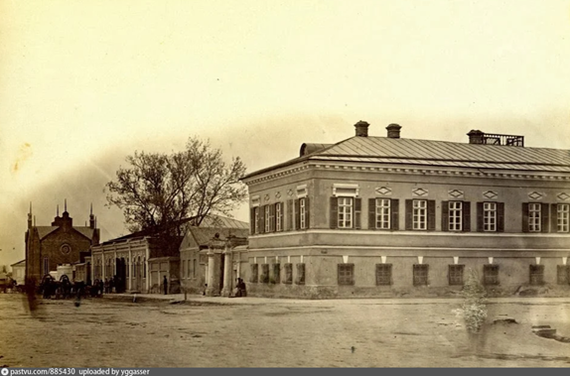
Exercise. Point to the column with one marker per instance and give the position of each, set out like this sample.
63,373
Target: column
129,266
228,266
211,281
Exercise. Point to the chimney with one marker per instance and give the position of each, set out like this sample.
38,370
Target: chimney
393,130
361,129
476,137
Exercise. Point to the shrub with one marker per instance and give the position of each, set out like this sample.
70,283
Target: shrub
474,308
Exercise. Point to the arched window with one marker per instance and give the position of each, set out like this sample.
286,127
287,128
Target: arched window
144,267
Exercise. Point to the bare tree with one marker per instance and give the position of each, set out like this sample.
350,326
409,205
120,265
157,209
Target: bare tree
160,192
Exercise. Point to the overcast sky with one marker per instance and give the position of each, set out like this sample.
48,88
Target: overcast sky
84,84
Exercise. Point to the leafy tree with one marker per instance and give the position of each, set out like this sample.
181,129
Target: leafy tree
161,192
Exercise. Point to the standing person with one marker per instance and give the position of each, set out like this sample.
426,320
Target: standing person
165,283
241,287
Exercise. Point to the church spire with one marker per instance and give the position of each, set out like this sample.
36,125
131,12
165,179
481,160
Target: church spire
30,216
64,205
57,211
91,218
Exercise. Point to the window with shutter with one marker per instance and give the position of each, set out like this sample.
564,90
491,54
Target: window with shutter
534,217
297,214
419,214
345,212
279,216
269,217
383,214
262,219
562,215
302,213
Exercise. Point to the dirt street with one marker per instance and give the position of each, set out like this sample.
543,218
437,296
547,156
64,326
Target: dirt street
252,332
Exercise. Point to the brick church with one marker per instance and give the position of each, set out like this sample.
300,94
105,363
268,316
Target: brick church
58,244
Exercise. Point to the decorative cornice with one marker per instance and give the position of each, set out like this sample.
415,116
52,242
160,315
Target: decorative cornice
408,171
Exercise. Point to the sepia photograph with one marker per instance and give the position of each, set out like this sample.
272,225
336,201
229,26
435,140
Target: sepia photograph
284,184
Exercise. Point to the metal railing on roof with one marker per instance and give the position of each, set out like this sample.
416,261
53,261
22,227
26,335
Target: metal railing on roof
478,137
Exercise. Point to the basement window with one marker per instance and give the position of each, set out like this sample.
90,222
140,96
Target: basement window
383,274
345,274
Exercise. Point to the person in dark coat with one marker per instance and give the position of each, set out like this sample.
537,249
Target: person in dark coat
241,287
165,283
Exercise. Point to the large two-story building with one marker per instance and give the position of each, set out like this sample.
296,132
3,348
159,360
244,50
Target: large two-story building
390,215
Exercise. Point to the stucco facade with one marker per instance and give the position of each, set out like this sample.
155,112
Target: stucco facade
384,215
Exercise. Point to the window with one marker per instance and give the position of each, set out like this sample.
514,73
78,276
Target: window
144,267
419,215
563,274
536,275
421,274
562,216
490,216
279,216
269,218
345,274
255,220
345,212
536,217
288,270
455,275
383,214
300,280
302,213
253,278
276,274
490,274
383,274
534,211
264,276
456,216
194,268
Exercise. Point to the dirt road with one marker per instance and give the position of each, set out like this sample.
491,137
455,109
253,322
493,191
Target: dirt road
275,333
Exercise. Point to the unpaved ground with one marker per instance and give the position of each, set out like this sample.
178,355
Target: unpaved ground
277,333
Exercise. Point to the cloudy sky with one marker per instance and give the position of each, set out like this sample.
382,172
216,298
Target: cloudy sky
84,84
